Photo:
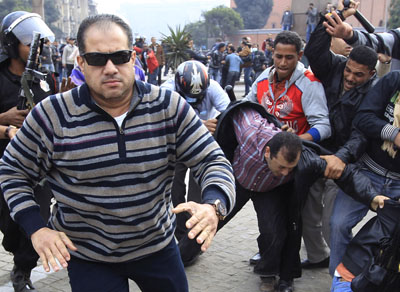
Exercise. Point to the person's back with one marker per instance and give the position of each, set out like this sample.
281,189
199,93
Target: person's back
234,62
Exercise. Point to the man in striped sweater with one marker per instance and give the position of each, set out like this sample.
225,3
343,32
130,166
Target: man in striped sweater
108,150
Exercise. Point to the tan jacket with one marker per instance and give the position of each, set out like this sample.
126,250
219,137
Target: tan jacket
159,52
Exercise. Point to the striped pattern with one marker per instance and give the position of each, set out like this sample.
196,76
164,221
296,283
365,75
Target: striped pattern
112,185
389,132
378,169
249,166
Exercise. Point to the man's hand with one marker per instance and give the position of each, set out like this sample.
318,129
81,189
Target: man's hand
336,27
67,84
211,125
334,167
51,245
14,117
383,58
286,128
397,140
378,201
204,221
351,10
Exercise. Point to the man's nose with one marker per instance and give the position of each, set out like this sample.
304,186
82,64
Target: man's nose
285,172
109,67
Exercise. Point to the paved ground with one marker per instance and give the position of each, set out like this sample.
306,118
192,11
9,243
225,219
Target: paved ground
224,267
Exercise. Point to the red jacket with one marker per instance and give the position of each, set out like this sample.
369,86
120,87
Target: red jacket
152,62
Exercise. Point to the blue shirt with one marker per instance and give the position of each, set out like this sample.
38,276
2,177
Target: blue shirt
234,62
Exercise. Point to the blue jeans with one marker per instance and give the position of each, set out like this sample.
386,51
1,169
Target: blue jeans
49,67
152,79
286,27
310,29
347,213
215,74
161,271
247,79
340,286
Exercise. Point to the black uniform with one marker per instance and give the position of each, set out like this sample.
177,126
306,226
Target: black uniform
15,240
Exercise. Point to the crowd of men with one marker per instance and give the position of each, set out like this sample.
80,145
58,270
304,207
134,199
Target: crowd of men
313,144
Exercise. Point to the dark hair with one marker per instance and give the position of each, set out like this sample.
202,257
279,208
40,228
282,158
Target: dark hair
220,45
101,20
289,143
288,37
232,48
365,56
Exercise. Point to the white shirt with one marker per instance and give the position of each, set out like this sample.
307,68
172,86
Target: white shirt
215,101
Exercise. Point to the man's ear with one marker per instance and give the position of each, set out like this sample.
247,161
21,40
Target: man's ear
267,154
133,56
81,62
301,54
372,73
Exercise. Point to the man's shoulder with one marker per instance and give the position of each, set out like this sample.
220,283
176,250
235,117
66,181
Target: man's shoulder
311,76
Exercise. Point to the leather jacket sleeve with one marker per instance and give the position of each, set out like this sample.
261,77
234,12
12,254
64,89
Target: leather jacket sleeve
354,147
319,55
352,181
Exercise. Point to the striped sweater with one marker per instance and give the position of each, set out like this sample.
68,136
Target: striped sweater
111,184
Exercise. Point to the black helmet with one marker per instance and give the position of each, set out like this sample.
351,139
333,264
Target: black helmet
18,27
191,81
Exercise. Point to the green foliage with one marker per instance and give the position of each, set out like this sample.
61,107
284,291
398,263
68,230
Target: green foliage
51,15
8,6
255,13
176,45
222,21
394,20
198,31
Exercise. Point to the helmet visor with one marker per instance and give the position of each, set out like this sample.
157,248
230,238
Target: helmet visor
24,30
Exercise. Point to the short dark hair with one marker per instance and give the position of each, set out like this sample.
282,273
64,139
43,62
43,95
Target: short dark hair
289,143
365,56
101,20
232,48
220,45
288,37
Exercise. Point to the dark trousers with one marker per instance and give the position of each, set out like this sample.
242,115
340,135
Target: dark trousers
231,78
178,193
271,208
15,239
159,272
159,75
69,68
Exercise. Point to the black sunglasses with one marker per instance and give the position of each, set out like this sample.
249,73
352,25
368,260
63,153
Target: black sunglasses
100,59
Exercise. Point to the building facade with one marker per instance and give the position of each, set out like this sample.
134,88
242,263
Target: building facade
72,12
375,11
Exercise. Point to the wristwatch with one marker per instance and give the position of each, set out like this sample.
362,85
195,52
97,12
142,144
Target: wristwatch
220,209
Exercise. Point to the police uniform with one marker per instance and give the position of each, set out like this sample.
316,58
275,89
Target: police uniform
14,240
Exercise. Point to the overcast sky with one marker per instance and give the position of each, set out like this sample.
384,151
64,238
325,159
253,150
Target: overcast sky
152,17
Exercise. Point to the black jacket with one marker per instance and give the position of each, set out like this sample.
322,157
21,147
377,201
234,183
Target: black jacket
346,142
10,86
365,245
375,117
309,169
